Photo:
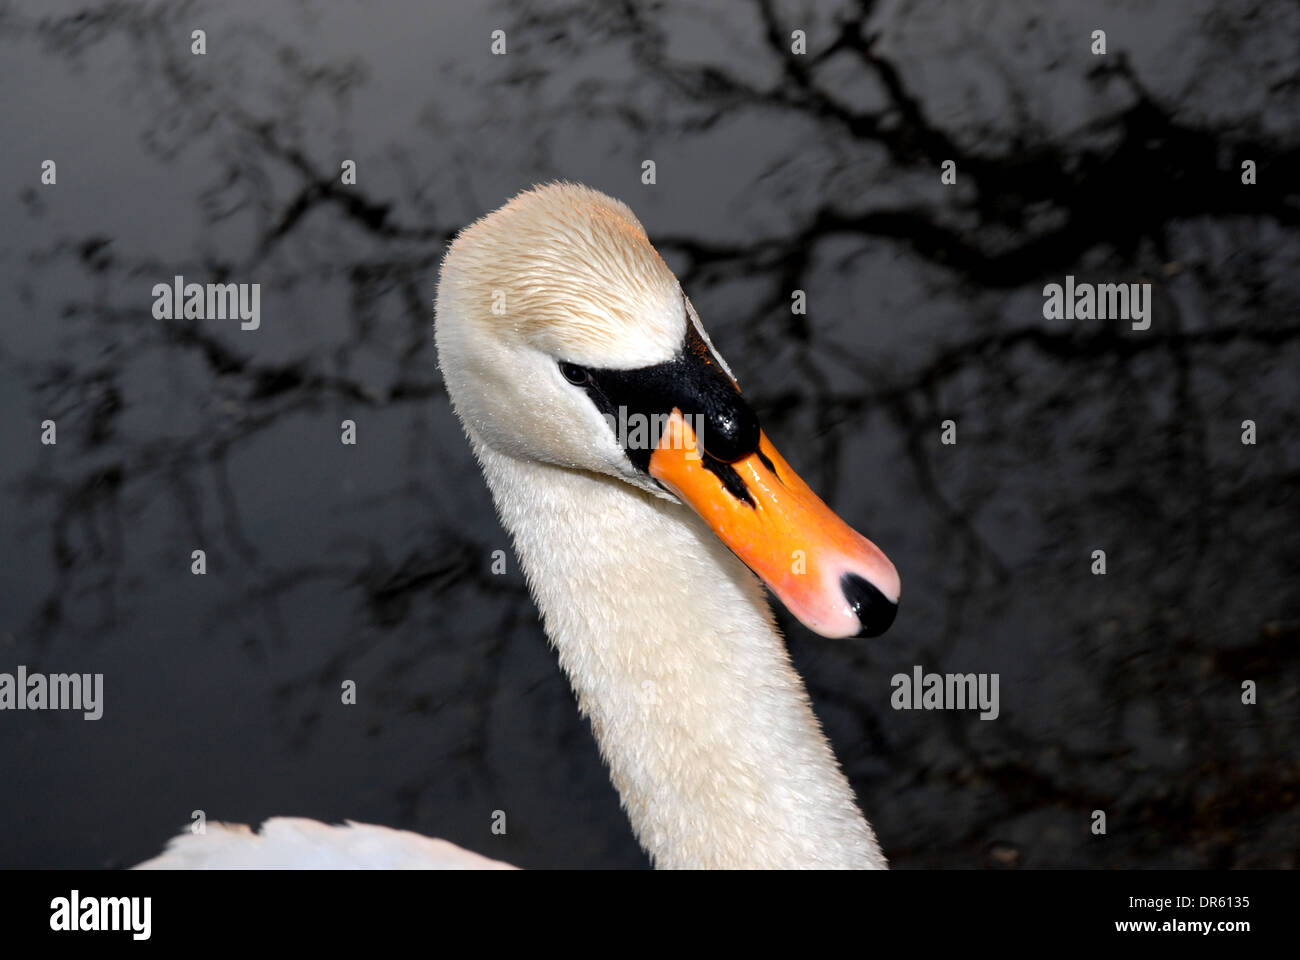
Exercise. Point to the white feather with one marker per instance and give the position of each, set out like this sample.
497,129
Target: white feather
300,844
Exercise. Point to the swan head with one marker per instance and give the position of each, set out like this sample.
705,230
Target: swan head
564,338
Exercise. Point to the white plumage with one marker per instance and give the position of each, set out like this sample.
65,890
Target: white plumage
300,844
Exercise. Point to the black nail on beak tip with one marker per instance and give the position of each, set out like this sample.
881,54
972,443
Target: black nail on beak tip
874,611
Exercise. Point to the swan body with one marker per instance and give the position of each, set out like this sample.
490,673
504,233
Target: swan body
552,311
300,844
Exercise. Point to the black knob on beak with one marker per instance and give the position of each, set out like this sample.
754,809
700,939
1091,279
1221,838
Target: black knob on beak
731,428
874,611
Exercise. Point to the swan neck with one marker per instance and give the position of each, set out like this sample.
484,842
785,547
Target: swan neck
671,650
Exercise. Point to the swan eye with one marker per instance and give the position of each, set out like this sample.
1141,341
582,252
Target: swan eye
574,373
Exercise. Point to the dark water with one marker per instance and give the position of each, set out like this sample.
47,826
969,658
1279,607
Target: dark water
371,563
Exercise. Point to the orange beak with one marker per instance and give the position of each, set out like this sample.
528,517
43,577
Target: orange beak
836,581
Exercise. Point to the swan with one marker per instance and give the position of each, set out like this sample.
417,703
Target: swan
647,509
